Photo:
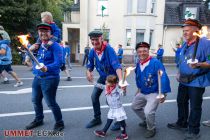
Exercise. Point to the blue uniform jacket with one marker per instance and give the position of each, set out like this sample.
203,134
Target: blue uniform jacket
67,51
120,53
108,64
6,58
203,55
5,42
56,32
160,52
52,59
177,54
147,80
63,56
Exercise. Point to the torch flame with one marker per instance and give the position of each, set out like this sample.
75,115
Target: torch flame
128,70
202,33
197,34
24,40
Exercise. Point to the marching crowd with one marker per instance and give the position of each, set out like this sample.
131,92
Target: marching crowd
193,78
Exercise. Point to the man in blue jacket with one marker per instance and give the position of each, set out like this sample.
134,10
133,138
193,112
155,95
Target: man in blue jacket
6,60
120,53
160,53
46,79
145,102
104,59
193,78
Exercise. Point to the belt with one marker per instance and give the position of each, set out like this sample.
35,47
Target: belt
46,76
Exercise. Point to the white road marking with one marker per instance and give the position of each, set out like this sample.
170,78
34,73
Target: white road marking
31,78
73,109
29,90
77,77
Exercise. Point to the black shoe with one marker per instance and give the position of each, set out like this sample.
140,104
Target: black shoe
68,79
94,122
34,124
176,126
150,133
143,124
191,136
5,82
58,127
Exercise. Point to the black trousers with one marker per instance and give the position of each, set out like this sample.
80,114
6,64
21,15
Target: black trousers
190,118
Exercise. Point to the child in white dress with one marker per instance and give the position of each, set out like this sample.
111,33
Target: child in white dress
116,110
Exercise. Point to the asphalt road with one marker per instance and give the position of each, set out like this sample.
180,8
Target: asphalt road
74,97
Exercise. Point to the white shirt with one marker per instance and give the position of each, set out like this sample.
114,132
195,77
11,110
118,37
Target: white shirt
142,67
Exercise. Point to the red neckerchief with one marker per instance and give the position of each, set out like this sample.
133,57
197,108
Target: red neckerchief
191,42
145,61
45,42
109,89
103,47
50,22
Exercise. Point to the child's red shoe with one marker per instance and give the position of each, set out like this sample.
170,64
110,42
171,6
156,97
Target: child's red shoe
122,137
100,133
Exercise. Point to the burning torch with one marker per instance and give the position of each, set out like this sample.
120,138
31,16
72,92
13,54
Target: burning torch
200,34
123,82
24,41
160,95
193,60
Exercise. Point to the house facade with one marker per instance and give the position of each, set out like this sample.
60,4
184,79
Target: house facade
128,22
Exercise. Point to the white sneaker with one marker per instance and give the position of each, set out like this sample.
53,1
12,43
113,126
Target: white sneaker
206,123
18,84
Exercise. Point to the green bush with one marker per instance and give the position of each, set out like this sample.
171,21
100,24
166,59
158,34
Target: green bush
16,58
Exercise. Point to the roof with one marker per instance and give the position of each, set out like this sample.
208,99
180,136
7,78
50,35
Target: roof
174,11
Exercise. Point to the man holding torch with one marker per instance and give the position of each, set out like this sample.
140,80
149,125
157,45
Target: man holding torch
150,75
104,59
46,70
193,78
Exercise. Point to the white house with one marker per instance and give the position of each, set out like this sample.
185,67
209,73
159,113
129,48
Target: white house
125,21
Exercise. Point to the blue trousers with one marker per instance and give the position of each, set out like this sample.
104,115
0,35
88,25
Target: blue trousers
95,98
195,96
46,88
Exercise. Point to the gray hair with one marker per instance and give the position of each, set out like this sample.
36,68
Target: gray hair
47,14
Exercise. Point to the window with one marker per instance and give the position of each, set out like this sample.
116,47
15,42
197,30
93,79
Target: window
191,12
153,7
129,6
128,37
102,7
142,6
150,37
76,1
139,35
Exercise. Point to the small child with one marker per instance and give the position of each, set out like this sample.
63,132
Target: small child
56,32
116,110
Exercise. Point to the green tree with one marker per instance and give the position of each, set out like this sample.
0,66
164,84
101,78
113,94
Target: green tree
22,16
